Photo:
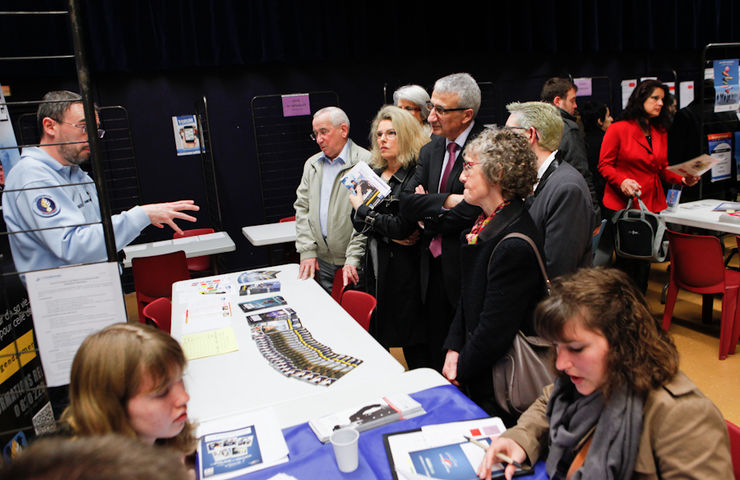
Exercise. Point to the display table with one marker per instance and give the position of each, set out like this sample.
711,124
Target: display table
309,458
209,244
237,382
700,214
244,380
270,234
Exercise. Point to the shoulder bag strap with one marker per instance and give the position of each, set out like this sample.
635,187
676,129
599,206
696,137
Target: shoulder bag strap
536,252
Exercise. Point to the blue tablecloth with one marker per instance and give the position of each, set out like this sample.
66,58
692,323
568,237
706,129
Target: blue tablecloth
310,459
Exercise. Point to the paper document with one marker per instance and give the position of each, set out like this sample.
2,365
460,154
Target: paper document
210,343
372,187
68,304
696,166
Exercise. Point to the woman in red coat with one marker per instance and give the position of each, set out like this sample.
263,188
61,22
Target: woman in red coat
634,160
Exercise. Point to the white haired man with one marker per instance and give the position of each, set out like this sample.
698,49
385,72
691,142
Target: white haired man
325,238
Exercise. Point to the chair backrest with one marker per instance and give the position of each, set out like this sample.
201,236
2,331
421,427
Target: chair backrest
196,264
160,313
360,306
696,260
337,287
287,219
194,232
154,276
734,432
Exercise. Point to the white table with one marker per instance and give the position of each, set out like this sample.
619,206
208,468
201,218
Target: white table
700,214
243,380
195,246
270,234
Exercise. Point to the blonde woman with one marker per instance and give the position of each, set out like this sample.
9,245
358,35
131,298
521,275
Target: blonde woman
392,255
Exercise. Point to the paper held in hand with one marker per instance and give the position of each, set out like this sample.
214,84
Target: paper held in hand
697,166
373,188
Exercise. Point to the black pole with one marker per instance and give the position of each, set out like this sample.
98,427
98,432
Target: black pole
83,78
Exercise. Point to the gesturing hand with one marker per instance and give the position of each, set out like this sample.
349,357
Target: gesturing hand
160,213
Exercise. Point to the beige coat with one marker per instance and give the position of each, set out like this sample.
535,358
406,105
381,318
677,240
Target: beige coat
342,245
683,434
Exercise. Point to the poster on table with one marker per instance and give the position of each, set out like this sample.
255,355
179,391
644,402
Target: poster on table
187,137
9,154
720,147
726,85
25,411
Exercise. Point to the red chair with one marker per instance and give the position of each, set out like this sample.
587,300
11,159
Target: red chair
697,265
154,276
734,432
287,219
197,264
337,287
360,305
159,312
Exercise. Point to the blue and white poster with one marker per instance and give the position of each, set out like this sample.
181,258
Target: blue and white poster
720,147
187,137
9,154
726,85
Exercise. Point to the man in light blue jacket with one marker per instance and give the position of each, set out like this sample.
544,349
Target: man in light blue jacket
51,206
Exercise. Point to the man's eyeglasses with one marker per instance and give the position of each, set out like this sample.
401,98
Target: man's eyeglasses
442,110
318,134
101,132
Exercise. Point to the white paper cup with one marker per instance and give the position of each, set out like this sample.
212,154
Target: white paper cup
344,442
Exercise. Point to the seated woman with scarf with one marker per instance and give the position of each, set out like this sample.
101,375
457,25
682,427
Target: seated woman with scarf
620,409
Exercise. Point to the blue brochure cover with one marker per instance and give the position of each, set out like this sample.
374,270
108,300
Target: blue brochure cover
229,451
449,462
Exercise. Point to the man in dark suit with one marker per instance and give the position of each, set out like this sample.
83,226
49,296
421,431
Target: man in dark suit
561,93
434,198
561,203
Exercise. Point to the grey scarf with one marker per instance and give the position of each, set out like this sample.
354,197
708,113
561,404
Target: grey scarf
616,439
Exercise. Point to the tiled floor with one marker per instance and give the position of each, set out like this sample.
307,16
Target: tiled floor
698,345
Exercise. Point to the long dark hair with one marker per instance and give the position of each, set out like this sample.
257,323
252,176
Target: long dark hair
636,111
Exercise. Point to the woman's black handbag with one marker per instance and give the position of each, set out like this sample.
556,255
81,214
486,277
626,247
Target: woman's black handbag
527,367
639,233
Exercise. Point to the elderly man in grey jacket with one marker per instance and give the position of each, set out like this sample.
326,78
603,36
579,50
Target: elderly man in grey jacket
325,238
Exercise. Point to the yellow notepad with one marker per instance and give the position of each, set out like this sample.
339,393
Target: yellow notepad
206,344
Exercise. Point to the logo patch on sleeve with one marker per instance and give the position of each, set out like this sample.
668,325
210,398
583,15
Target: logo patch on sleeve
45,206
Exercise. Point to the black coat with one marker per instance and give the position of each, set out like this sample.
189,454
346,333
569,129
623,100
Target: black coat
437,221
497,298
392,270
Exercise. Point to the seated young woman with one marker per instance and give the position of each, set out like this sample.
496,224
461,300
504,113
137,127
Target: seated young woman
127,379
620,408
